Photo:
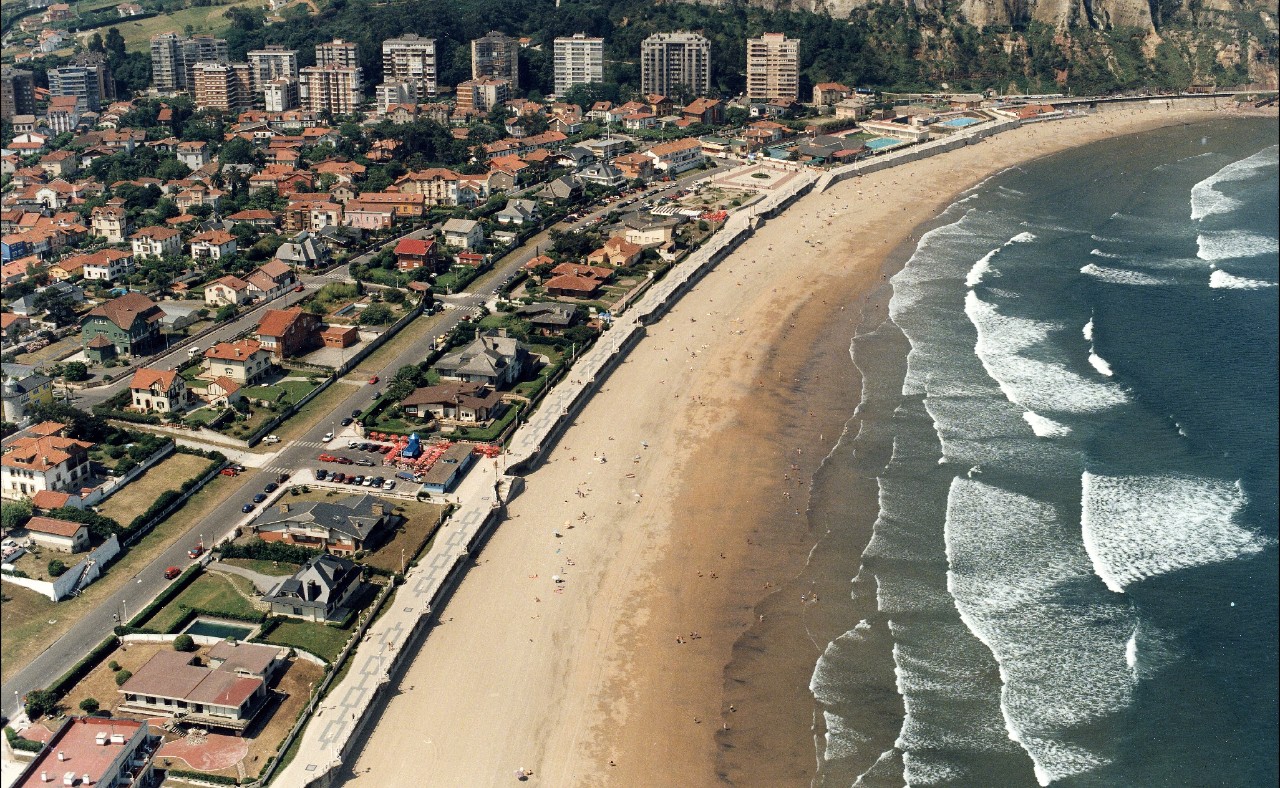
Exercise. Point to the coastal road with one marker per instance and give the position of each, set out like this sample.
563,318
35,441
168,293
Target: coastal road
298,456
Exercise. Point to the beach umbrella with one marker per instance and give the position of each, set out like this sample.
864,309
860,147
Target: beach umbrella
555,578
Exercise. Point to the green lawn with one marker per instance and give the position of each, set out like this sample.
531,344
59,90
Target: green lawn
211,592
204,415
286,392
207,19
319,639
273,568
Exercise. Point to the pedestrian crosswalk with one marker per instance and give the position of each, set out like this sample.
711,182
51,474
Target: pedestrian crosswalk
278,469
309,444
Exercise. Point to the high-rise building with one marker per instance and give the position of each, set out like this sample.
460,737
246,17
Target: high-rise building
280,95
496,55
335,89
673,63
773,68
411,58
173,59
483,94
98,62
388,94
579,60
272,63
224,86
337,53
83,82
17,92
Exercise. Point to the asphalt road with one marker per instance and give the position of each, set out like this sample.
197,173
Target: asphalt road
296,456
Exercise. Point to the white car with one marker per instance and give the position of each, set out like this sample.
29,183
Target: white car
328,436
271,439
389,485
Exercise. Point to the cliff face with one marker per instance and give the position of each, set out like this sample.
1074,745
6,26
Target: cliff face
1099,14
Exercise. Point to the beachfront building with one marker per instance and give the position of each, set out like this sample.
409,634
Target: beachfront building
675,63
343,527
228,696
98,751
318,591
773,68
579,60
492,358
454,401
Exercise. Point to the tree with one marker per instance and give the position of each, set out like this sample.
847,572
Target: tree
184,643
377,315
89,705
57,567
59,307
14,514
39,703
75,371
226,312
122,676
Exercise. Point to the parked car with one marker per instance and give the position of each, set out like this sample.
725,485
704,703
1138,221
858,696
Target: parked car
364,461
346,422
355,414
377,481
248,507
368,482
321,473
259,498
229,472
328,436
239,468
196,551
270,488
343,460
373,381
283,477
326,457
172,572
357,479
299,288
339,477
389,484
271,439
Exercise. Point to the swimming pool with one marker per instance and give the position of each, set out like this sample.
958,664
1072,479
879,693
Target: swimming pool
219,628
879,143
959,123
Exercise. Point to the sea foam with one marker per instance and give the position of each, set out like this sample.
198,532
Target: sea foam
1034,384
1207,200
1120,276
1061,665
1220,279
1143,526
1100,364
1045,428
1228,245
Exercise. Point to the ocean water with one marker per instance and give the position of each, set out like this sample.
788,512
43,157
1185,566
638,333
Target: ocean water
1070,416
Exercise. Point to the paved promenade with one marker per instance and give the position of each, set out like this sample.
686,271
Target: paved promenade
340,718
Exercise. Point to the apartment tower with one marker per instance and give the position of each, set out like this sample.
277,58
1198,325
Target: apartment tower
579,60
223,86
496,55
337,53
173,59
272,63
335,89
773,68
675,63
411,58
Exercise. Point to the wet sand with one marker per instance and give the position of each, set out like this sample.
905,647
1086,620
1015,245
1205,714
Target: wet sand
650,663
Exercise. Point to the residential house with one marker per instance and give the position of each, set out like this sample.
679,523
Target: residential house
198,194
518,212
343,526
44,460
405,206
368,215
270,279
414,253
214,244
566,187
454,401
195,154
602,173
159,390
318,590
572,286
110,222
492,358
826,94
130,324
244,361
647,231
228,290
99,751
170,684
463,234
342,171
635,166
258,217
20,388
617,252
704,110
677,156
222,392
64,536
302,251
288,332
107,264
156,242
548,318
60,163
853,108
438,186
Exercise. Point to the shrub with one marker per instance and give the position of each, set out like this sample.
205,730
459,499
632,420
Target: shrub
113,666
122,676
184,643
57,568
89,705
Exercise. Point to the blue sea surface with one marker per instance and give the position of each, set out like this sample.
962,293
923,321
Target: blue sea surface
1074,564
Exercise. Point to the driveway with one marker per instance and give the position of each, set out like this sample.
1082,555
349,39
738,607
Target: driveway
264,583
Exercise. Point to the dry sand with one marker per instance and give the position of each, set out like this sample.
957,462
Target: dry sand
602,680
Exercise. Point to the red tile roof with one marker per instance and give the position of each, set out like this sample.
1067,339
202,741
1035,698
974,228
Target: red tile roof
48,525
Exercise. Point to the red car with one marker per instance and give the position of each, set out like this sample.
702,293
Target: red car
196,551
327,458
373,381
229,472
172,572
299,288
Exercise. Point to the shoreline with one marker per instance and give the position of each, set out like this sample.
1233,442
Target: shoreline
626,673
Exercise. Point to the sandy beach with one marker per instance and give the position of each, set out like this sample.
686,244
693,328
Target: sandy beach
675,511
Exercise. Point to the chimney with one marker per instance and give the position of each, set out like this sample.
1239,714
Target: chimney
284,508
62,756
